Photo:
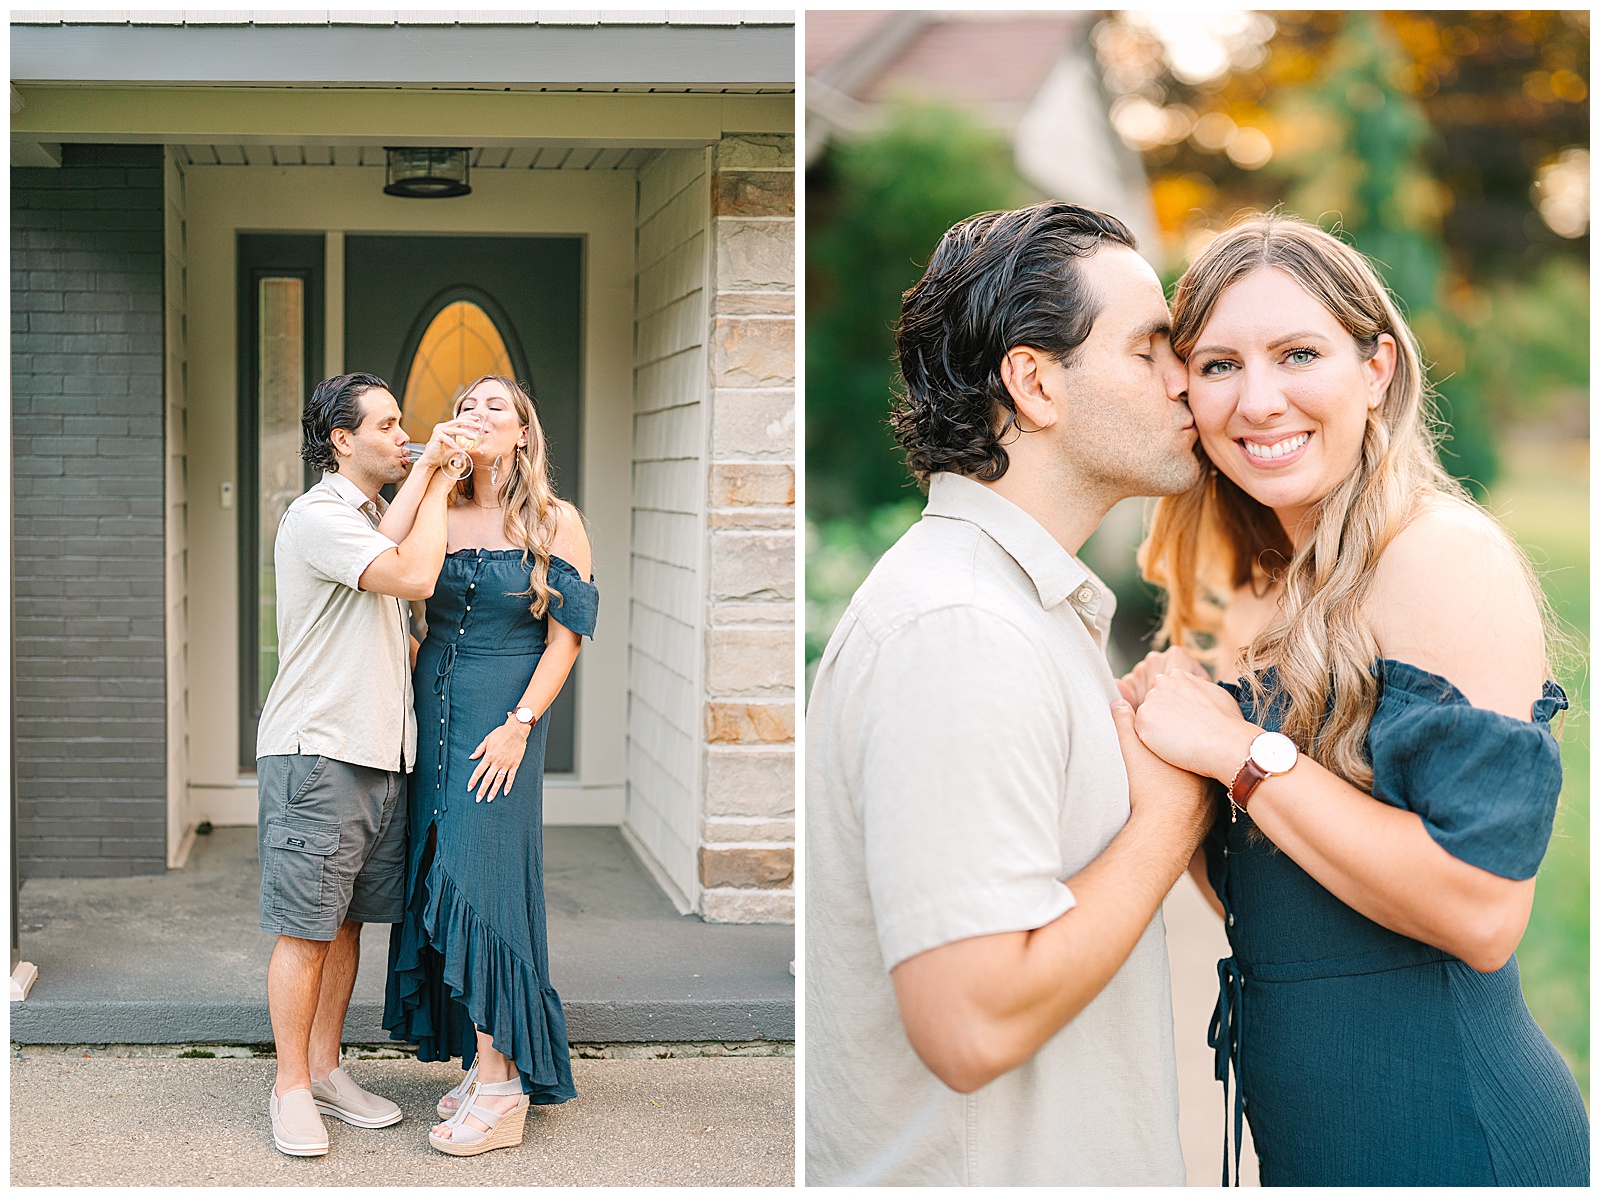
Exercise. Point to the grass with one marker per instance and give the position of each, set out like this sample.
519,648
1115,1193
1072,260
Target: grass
1543,498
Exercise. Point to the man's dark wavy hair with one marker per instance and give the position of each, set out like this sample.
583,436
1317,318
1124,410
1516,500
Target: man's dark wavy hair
336,403
996,281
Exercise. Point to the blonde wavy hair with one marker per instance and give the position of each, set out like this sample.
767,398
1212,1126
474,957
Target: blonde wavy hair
1214,538
525,494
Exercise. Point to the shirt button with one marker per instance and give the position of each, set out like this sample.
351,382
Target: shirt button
462,632
1224,851
1230,920
469,607
1085,595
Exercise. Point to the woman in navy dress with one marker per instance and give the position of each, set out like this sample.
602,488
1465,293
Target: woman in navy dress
1375,868
469,973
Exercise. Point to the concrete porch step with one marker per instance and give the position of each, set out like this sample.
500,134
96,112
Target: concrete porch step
179,957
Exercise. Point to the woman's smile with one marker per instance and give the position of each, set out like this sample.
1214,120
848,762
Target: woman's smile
1274,451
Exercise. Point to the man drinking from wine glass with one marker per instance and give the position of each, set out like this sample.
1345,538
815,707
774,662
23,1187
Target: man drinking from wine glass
338,735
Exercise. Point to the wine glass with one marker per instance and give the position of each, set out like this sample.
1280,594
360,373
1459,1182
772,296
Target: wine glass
456,465
459,465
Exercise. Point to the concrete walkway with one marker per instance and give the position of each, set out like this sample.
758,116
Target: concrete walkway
115,1122
179,957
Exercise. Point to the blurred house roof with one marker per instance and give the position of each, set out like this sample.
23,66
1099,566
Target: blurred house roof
833,33
997,63
992,63
1030,75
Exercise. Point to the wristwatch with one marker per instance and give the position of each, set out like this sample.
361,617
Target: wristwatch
524,716
1271,753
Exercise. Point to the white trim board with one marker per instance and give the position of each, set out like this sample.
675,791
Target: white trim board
567,803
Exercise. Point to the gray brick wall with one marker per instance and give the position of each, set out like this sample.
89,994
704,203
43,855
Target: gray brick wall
87,476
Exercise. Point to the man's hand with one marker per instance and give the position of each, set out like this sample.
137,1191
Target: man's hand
1176,796
1135,684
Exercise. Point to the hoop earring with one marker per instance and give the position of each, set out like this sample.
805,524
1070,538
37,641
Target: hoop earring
494,471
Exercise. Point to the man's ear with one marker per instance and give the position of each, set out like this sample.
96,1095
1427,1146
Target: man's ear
341,438
1023,370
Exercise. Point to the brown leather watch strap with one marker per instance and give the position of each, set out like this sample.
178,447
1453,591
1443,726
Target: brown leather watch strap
1249,776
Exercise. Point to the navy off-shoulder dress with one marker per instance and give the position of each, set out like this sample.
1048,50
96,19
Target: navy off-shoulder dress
472,947
1366,1058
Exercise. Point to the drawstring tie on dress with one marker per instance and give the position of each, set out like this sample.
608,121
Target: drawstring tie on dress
1225,1035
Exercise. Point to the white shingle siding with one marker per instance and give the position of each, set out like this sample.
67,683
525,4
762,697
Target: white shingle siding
668,534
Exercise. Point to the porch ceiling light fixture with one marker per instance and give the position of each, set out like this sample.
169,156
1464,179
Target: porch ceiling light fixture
426,173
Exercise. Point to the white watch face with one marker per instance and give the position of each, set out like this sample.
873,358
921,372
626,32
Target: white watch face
1274,752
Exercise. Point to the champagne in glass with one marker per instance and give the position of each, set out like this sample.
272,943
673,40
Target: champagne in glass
458,465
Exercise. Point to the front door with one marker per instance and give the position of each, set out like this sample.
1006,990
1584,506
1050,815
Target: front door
431,314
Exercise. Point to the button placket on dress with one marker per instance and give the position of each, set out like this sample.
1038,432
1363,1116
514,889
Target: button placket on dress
441,687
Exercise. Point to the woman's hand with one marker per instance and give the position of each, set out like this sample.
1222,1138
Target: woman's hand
1194,724
501,751
440,443
1135,684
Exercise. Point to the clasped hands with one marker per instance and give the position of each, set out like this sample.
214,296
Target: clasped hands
1184,717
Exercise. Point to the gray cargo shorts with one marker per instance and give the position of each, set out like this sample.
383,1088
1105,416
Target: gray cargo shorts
332,842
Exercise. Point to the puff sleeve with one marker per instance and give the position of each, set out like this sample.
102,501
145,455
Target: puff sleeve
579,604
1484,784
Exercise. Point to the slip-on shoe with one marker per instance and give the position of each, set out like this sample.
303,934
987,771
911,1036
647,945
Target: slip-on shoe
340,1097
296,1126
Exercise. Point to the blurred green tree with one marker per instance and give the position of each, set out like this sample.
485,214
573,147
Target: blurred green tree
1505,92
876,208
1529,347
1358,163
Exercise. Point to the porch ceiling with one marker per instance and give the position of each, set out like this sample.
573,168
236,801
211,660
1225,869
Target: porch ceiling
491,157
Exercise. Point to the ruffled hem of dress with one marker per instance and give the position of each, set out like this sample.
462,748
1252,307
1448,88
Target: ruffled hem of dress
500,991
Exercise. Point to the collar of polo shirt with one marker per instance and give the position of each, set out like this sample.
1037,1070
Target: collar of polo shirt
1056,574
351,493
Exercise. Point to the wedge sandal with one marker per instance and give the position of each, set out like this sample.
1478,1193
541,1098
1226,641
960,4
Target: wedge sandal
505,1130
459,1093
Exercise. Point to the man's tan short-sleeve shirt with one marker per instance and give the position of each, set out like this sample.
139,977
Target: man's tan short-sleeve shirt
344,663
961,764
